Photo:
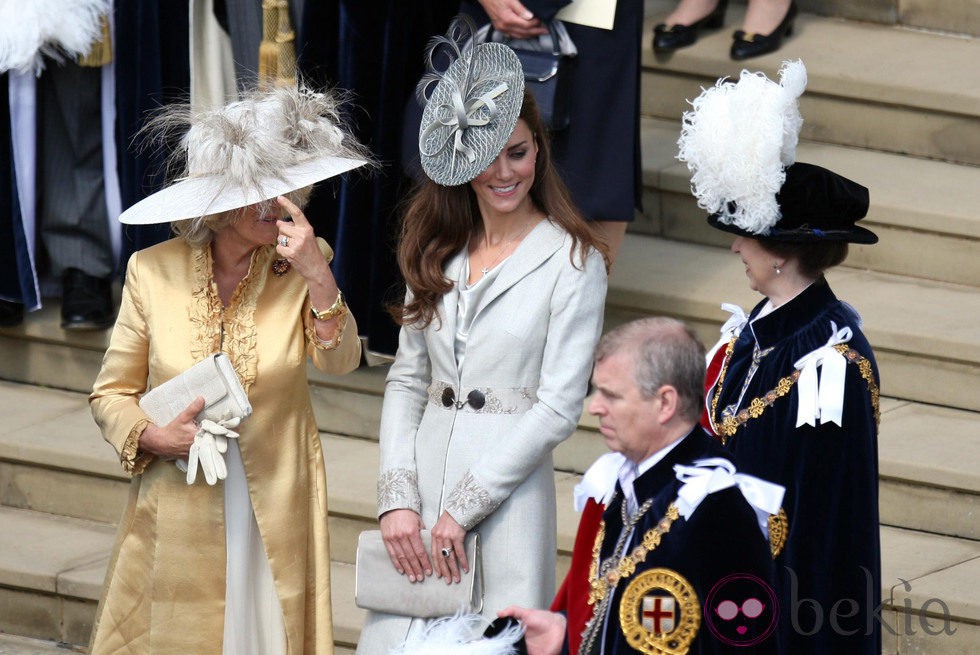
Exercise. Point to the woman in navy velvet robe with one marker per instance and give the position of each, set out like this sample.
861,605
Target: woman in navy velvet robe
793,393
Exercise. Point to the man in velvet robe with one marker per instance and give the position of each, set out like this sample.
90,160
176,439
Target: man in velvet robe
679,563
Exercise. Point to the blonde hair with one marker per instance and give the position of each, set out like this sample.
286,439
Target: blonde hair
199,232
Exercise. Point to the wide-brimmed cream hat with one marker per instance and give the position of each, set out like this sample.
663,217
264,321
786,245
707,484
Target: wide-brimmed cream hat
474,107
267,144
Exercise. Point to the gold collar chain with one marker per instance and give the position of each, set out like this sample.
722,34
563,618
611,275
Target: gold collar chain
732,421
601,585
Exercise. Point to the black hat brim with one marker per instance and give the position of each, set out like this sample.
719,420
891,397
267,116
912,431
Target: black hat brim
855,234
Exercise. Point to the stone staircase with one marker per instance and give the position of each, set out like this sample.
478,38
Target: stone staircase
889,103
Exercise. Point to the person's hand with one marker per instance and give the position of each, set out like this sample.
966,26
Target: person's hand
174,439
400,531
301,249
513,19
448,534
544,631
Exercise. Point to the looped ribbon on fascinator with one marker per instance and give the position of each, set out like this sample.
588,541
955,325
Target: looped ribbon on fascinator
823,400
717,473
459,116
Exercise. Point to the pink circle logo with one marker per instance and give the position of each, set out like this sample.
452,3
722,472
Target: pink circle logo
741,610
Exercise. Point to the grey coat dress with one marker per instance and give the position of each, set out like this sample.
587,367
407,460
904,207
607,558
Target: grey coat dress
529,350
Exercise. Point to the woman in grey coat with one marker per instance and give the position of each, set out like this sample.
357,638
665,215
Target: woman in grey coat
506,285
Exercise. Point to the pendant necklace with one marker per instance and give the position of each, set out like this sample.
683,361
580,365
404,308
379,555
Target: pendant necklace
486,268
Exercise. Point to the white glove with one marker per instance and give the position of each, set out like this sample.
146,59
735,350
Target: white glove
210,444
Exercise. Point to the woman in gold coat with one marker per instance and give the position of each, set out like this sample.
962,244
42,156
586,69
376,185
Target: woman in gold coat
240,564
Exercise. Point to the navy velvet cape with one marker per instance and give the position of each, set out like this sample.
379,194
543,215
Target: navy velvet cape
828,574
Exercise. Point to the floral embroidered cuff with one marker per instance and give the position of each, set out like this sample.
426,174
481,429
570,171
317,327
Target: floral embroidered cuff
399,489
469,502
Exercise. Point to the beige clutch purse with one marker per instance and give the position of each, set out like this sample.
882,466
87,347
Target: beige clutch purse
214,378
379,587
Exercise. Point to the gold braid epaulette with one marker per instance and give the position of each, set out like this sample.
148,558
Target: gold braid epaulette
730,424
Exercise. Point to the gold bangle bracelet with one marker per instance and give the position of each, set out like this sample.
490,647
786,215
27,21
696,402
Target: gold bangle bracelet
333,311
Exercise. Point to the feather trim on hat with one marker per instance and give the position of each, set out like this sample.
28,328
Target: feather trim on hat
737,141
256,138
59,29
460,635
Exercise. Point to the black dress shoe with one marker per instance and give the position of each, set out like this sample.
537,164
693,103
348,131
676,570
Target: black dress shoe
667,38
86,301
11,313
746,45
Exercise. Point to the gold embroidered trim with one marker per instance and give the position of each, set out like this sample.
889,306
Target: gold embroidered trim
757,406
133,461
864,367
778,531
721,381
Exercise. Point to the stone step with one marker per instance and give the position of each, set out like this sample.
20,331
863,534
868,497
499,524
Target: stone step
51,572
53,459
922,357
17,645
873,86
960,17
933,235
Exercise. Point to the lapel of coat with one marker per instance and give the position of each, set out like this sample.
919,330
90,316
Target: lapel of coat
536,248
449,301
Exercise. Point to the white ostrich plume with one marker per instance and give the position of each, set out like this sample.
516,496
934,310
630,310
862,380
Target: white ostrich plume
737,141
460,635
59,29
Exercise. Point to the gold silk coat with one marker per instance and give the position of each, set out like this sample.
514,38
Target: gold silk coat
165,586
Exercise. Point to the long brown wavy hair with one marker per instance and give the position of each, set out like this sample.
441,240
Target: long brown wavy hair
439,221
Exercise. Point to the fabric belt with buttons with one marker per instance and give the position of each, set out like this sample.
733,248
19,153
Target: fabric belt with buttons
482,400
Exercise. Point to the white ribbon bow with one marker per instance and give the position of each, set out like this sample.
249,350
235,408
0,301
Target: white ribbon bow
599,481
717,473
733,326
823,400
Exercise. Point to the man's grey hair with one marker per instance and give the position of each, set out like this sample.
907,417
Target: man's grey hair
664,351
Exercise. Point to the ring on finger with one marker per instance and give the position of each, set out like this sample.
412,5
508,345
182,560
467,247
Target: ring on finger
283,241
447,551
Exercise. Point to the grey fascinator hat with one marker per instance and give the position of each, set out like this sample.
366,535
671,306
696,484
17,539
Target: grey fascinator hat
268,143
473,108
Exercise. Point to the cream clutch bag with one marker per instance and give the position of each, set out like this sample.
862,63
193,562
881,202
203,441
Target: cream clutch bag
379,587
214,378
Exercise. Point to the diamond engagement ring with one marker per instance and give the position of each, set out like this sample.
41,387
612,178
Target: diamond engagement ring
447,551
283,241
